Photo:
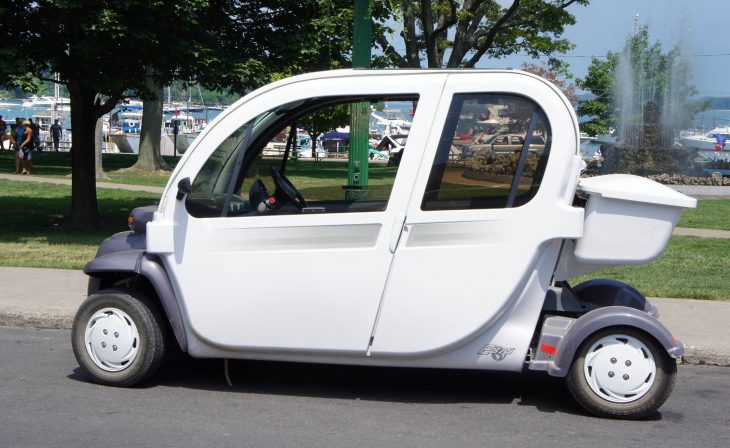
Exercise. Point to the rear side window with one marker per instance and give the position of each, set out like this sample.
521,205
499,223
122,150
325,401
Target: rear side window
492,153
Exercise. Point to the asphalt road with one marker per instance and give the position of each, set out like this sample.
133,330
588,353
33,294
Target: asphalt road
44,401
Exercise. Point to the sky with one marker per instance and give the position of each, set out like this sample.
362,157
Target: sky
703,27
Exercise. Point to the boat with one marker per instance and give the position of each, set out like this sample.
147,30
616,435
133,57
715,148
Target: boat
188,129
585,138
47,102
129,144
707,141
129,127
713,145
385,125
176,106
130,122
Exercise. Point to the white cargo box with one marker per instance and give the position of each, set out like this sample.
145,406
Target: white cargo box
628,219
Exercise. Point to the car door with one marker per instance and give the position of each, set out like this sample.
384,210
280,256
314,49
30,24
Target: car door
484,227
291,282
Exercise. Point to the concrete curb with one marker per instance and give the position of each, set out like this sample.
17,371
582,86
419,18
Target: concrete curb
36,320
705,357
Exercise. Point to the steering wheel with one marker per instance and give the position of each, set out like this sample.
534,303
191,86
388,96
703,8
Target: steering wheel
287,189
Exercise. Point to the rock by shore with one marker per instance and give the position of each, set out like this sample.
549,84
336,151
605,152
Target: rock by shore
715,179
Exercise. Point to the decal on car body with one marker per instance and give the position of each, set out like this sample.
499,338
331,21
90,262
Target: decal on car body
498,352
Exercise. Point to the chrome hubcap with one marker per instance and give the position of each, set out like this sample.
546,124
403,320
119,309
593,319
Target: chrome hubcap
619,368
111,339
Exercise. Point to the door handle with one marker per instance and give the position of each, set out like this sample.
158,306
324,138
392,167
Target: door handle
396,231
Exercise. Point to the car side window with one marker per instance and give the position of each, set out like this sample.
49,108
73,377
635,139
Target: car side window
492,153
296,160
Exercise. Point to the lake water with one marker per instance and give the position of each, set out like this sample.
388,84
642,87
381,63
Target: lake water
712,118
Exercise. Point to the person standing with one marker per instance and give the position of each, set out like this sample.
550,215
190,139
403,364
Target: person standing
36,129
56,132
17,137
3,135
25,149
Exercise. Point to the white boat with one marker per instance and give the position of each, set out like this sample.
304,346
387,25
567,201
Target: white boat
47,101
585,138
176,107
129,144
385,125
706,141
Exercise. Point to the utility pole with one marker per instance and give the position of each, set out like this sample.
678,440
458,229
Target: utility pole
362,30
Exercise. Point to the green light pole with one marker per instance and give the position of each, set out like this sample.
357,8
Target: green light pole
362,31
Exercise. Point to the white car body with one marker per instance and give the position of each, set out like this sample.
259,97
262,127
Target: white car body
406,285
412,310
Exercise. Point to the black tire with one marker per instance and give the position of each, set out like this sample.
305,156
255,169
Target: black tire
658,393
149,346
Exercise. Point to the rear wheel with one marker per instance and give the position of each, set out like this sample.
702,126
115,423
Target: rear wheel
621,373
117,337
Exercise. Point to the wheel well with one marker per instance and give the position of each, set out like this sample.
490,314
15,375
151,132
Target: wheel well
137,282
619,328
129,280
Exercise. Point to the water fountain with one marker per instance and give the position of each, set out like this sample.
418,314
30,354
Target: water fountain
649,112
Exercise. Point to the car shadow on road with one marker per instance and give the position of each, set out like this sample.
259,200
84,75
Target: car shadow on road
403,385
386,384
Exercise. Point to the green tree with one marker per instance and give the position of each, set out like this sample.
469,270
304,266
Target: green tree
599,81
103,48
260,32
557,75
459,33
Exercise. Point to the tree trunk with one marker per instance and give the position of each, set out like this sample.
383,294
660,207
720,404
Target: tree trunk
98,143
149,158
428,36
84,210
314,136
409,34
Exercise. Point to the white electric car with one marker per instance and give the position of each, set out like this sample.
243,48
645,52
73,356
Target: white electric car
442,261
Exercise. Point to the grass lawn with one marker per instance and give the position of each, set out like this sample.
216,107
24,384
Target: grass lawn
31,235
709,214
691,267
58,164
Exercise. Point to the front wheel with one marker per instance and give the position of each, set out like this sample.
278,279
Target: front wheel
117,337
621,373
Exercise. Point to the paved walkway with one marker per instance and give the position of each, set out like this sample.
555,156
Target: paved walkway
703,191
706,233
48,298
64,181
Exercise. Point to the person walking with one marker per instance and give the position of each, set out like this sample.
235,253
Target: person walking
3,135
56,132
